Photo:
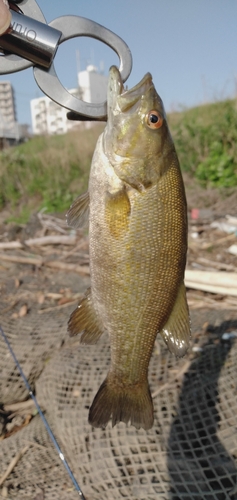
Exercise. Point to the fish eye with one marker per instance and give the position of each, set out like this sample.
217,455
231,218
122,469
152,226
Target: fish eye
154,119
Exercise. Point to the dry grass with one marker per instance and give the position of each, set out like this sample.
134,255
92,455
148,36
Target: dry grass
50,172
46,172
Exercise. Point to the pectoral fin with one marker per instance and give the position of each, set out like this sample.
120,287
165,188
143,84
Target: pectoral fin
177,333
117,211
78,213
85,320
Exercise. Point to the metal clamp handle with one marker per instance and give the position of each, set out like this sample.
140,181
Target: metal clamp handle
72,26
37,41
31,39
11,63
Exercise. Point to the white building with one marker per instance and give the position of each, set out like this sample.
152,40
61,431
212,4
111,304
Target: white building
50,118
7,102
9,128
93,85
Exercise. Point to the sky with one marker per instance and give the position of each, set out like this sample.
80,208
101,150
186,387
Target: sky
189,47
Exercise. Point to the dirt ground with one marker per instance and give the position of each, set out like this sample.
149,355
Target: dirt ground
37,286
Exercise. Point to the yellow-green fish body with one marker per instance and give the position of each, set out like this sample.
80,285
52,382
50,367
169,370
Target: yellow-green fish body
138,245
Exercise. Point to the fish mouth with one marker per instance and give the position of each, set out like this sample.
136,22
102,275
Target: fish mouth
121,99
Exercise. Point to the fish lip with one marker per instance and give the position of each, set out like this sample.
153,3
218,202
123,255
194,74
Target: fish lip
115,88
130,97
121,99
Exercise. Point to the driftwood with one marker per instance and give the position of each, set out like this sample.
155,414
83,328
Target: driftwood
12,464
48,221
38,262
204,304
197,300
63,266
216,264
215,282
233,249
220,241
44,240
61,306
19,407
21,260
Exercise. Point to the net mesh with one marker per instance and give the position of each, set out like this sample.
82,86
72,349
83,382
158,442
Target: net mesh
190,453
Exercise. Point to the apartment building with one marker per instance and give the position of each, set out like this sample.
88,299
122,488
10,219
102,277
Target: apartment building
50,118
9,128
7,102
93,85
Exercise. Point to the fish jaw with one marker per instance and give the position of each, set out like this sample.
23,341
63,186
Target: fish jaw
119,100
129,144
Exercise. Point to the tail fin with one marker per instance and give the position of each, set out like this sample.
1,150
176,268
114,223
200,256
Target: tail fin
131,403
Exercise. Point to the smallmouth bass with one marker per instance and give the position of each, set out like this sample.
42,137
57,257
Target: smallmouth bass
138,243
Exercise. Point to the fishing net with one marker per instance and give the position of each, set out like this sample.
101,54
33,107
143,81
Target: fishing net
190,453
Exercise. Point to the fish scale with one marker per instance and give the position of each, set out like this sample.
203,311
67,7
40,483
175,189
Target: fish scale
138,245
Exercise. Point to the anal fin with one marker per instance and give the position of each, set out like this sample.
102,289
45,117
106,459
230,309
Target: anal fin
177,331
84,320
78,213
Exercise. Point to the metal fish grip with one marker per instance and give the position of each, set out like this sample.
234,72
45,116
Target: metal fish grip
30,41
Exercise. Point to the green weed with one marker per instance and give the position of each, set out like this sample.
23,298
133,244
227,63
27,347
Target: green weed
46,172
206,143
50,172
